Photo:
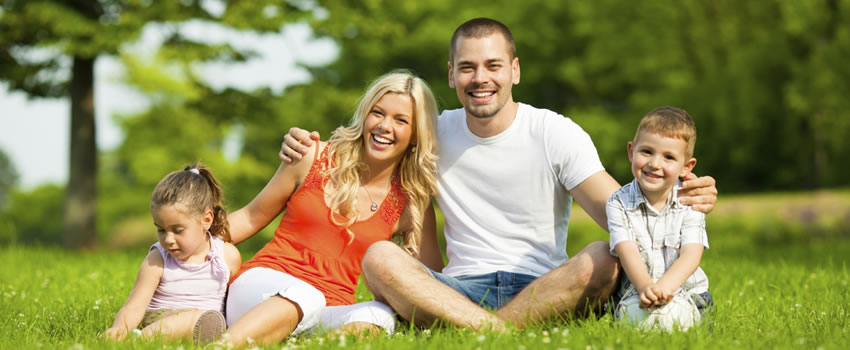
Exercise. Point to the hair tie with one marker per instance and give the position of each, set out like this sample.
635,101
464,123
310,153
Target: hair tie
195,170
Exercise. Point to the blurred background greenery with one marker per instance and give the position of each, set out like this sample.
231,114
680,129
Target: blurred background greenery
766,81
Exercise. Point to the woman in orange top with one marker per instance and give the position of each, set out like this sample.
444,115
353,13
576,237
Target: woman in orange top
372,181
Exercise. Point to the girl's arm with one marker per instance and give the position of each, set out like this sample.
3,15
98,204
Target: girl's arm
233,258
133,311
429,250
249,220
682,268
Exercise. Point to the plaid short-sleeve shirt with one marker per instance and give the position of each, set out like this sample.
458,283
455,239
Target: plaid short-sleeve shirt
658,235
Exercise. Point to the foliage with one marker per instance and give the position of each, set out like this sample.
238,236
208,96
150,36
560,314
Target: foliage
49,47
8,177
33,217
765,81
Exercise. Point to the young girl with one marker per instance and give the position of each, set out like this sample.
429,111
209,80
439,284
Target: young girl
181,285
372,181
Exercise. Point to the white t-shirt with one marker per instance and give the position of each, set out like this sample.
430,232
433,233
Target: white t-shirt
505,197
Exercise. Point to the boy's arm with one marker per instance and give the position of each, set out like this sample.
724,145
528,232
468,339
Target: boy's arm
682,268
636,271
694,241
133,311
623,245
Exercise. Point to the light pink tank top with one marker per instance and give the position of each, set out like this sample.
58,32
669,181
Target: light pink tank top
197,286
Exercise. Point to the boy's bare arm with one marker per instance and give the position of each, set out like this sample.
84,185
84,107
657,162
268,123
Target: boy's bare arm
635,269
685,266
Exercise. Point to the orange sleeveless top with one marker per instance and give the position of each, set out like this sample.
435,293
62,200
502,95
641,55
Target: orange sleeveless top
310,247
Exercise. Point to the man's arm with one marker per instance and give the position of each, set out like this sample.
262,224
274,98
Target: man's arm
592,194
698,192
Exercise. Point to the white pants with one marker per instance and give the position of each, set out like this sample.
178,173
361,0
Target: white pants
259,283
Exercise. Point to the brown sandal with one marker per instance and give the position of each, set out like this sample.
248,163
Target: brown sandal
209,327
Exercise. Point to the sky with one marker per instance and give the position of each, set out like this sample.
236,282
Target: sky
34,132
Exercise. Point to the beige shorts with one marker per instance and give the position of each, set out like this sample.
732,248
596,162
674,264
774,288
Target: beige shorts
153,315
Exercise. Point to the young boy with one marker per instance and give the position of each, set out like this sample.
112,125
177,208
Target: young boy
659,241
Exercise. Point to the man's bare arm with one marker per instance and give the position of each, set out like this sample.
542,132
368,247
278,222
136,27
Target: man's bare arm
592,194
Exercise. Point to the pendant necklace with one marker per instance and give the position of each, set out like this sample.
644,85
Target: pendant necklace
374,206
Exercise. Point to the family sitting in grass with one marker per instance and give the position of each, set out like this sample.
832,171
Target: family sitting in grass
504,175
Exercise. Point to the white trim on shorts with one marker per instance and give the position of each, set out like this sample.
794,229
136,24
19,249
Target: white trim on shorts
374,312
260,283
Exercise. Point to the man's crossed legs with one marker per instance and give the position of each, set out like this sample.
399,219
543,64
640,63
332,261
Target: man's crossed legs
584,282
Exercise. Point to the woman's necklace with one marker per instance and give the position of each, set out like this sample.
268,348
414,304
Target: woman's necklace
374,206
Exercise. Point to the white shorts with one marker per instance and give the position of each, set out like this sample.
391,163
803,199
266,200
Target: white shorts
260,283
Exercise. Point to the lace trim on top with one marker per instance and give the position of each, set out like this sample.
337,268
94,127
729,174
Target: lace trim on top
389,211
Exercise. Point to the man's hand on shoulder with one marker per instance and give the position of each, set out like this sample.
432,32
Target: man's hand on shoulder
698,192
296,143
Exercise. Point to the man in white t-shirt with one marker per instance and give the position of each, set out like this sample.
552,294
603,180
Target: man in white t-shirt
508,174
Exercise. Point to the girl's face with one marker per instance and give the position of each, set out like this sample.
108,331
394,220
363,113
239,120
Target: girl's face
388,128
182,234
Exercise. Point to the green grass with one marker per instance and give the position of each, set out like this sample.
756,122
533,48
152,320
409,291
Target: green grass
779,281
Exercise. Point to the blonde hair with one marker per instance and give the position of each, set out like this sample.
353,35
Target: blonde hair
196,188
670,122
418,166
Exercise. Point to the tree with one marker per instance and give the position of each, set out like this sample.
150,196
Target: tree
8,177
49,47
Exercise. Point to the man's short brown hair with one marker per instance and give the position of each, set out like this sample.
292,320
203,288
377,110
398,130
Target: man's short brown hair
670,122
479,28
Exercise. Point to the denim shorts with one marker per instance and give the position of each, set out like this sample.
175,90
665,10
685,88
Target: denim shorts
492,290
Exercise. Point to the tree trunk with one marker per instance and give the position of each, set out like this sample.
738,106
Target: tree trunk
81,193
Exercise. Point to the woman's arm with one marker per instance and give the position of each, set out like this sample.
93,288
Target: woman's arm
429,250
252,218
131,314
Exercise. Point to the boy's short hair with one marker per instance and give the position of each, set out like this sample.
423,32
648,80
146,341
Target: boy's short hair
670,122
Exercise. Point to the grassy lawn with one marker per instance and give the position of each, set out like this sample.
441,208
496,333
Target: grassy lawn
777,267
